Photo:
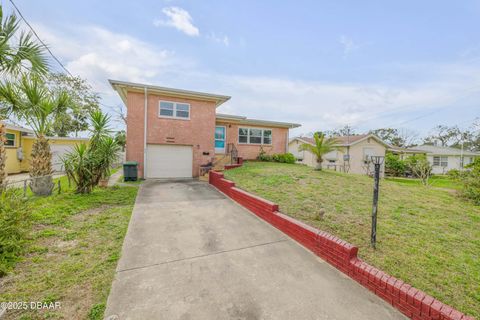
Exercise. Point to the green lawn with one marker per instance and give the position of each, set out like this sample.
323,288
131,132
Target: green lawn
71,253
438,181
428,237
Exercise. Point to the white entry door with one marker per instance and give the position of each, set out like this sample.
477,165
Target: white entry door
169,161
220,134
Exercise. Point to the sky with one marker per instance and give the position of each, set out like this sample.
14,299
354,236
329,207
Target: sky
324,64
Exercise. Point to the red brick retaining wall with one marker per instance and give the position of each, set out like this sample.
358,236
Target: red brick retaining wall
412,302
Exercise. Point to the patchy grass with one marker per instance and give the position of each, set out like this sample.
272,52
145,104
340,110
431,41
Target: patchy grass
437,181
71,253
428,237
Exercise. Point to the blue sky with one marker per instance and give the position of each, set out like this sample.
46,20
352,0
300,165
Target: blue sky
324,64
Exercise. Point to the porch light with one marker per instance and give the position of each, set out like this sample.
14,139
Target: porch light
377,162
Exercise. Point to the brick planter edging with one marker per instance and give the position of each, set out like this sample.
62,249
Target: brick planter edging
412,302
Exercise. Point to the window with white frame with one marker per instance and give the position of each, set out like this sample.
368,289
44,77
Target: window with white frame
10,142
254,136
440,161
177,110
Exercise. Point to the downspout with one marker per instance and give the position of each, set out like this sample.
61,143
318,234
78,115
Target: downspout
145,135
288,138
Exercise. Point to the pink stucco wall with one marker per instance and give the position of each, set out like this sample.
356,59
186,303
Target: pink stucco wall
197,132
251,151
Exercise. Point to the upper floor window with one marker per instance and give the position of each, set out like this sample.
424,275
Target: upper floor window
175,110
440,161
10,142
254,136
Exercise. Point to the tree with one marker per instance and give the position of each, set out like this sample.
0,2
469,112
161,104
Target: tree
420,167
444,135
121,139
18,52
453,136
322,146
396,137
345,131
37,105
74,117
86,165
390,136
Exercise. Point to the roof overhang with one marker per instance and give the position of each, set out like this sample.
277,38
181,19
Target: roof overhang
347,144
404,150
18,128
255,122
369,136
60,138
122,87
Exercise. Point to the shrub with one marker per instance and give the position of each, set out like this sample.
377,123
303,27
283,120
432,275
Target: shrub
278,157
471,181
394,166
86,165
283,158
263,156
420,167
454,174
287,158
14,223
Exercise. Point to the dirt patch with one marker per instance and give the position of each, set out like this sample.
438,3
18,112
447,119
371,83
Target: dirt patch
90,212
66,244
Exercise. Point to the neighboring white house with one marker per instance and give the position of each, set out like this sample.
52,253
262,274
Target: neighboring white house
444,159
350,155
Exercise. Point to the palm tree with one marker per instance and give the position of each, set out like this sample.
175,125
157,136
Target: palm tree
37,105
13,56
86,165
321,147
100,127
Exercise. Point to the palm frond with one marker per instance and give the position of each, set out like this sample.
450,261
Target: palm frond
321,146
15,54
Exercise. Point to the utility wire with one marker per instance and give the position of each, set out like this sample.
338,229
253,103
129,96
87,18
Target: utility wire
41,41
456,99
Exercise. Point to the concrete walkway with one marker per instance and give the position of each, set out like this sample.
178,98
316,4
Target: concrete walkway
113,180
192,253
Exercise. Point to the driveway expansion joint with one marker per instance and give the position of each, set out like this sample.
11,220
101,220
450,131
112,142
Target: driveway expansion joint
202,255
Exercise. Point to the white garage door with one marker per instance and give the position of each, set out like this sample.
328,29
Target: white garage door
59,151
169,161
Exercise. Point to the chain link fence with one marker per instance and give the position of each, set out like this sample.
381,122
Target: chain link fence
23,185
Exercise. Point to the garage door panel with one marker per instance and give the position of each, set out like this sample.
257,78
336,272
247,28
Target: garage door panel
169,161
58,152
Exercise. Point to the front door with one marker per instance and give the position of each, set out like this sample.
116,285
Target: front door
220,132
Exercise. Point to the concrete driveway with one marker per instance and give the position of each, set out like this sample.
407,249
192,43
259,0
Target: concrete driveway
192,253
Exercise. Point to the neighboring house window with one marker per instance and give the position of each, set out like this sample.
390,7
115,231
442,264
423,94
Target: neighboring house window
440,161
174,110
10,140
254,136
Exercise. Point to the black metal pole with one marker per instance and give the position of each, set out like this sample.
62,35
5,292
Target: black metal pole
373,238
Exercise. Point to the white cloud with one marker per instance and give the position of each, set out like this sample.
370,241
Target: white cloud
348,45
98,54
219,39
179,19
